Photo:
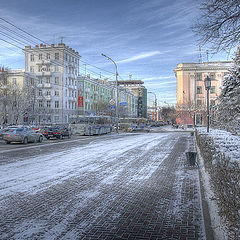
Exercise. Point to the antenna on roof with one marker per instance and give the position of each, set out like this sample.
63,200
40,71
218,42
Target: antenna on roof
207,55
61,39
200,55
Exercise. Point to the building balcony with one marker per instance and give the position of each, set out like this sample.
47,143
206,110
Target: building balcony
48,97
47,85
40,85
43,74
43,62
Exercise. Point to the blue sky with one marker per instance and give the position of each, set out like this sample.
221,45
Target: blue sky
147,38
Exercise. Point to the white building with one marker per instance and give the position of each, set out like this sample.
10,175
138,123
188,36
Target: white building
56,68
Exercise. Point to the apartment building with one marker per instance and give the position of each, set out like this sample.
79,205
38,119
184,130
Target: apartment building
56,68
17,95
94,96
191,93
140,92
97,95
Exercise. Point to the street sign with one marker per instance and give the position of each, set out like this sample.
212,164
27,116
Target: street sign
113,107
123,103
112,102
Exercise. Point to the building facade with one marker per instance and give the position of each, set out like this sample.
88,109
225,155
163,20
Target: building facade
191,93
94,96
18,97
140,92
98,97
56,68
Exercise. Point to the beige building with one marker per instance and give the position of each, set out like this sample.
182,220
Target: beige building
18,96
191,93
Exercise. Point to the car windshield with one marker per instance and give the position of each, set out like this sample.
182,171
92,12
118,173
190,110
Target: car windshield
19,129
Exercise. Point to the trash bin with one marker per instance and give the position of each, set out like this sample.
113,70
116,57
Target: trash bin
191,158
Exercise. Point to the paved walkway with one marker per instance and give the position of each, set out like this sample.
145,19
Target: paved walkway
142,192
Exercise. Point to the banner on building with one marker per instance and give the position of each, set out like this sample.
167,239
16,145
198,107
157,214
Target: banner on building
80,101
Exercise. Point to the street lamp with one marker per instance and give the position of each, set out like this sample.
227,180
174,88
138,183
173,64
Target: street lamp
155,103
207,82
116,103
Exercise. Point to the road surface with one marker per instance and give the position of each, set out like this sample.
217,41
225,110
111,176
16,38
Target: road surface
131,186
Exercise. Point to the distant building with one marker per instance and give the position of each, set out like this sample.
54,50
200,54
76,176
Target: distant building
97,97
94,96
191,93
17,95
139,91
56,68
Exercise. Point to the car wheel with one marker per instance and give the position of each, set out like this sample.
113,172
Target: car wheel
40,139
8,142
25,140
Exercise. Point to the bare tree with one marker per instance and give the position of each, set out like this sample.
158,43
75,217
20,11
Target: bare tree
219,24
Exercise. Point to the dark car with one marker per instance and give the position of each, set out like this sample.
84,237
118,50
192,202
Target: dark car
56,132
47,133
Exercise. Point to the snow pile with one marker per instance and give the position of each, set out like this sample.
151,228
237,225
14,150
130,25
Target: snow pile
220,151
227,114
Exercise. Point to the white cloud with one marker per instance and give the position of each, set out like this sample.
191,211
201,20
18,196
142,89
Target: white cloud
140,56
158,78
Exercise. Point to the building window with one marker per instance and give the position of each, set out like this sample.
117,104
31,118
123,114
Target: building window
56,104
48,93
199,76
66,93
56,118
48,80
213,89
212,102
32,69
213,76
31,81
48,56
39,68
40,80
40,56
56,80
199,102
199,90
48,69
14,81
40,103
56,56
56,92
32,58
40,92
48,104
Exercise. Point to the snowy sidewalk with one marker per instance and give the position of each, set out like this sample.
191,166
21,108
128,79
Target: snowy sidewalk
136,187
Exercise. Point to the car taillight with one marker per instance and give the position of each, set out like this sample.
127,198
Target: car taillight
8,135
56,133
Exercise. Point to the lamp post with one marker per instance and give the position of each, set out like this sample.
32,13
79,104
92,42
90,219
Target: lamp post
207,82
155,104
116,102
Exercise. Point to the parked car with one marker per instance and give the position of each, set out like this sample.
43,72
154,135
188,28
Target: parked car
4,130
140,128
22,134
56,132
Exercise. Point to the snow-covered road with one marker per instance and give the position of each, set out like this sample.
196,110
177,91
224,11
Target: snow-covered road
105,188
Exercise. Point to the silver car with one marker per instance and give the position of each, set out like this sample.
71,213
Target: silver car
22,134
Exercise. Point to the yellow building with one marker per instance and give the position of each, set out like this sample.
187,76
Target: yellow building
191,93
